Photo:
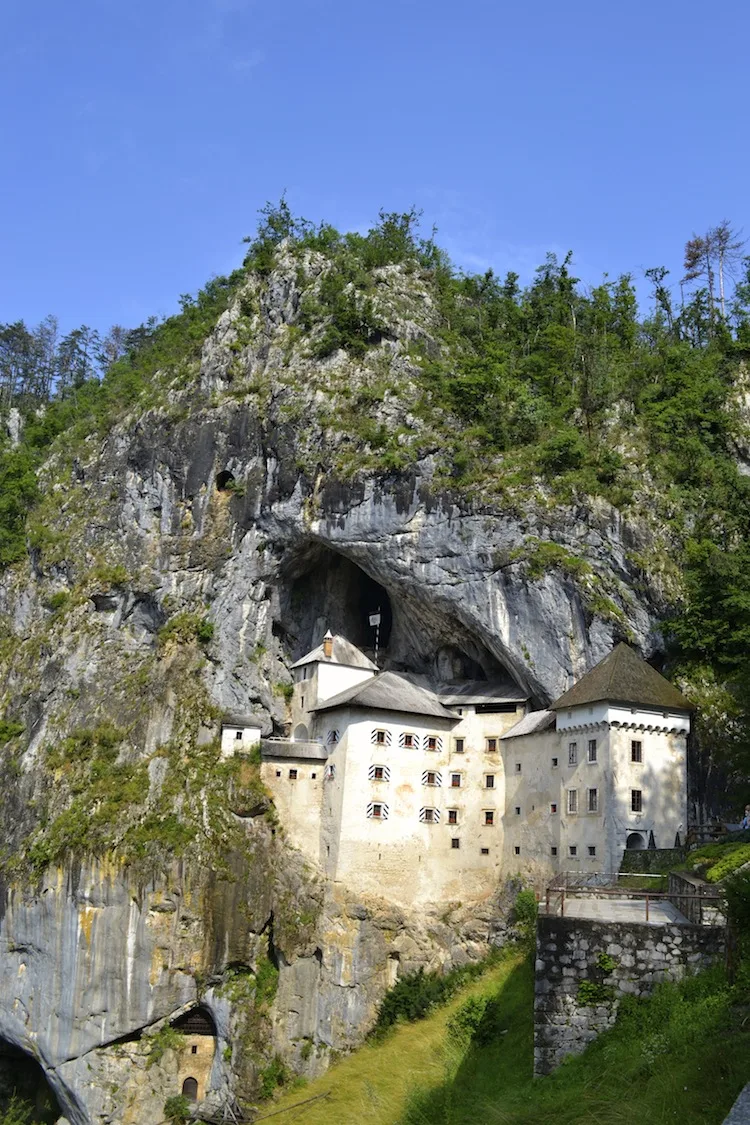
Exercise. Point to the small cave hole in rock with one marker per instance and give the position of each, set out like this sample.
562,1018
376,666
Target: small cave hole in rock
635,842
224,481
22,1077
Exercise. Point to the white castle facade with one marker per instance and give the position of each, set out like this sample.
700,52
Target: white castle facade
423,792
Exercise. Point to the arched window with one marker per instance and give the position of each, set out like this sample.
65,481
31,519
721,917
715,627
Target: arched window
190,1089
635,842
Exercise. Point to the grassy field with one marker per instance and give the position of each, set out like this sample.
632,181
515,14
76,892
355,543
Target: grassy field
680,1057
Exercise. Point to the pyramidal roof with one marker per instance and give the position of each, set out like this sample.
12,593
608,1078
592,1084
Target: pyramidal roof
344,652
624,677
390,692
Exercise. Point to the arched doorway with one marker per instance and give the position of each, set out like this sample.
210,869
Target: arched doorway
190,1089
635,842
301,733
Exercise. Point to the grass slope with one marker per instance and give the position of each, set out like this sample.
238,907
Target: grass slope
681,1056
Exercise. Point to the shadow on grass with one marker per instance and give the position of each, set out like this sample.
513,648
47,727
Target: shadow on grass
682,1056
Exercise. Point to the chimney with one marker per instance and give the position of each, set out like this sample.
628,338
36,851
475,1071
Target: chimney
328,645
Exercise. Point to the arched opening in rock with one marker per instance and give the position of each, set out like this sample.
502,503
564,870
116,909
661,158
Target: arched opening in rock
22,1076
322,589
635,842
301,733
190,1089
198,1021
224,480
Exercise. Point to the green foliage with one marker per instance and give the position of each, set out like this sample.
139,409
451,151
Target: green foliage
525,910
417,994
465,1023
18,493
590,993
58,601
272,1076
18,1112
109,577
166,1039
714,862
10,730
184,628
266,981
606,963
178,1109
729,863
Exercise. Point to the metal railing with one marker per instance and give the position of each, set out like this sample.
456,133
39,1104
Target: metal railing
700,909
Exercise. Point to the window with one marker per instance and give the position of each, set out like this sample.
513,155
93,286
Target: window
636,800
572,753
553,807
379,773
572,850
490,745
518,810
431,777
554,763
592,849
636,751
431,742
302,702
292,775
553,850
453,816
455,842
517,850
455,781
379,737
518,767
330,772
458,745
239,735
489,817
376,810
484,851
278,773
572,800
593,800
332,737
429,816
194,1049
489,781
408,741
313,776
592,749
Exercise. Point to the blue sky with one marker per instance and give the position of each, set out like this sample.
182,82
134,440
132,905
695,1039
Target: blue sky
139,139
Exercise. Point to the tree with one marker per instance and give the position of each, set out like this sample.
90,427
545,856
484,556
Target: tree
717,252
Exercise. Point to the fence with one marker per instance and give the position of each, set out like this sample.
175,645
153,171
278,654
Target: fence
701,906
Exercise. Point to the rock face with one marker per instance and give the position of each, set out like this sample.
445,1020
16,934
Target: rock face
236,499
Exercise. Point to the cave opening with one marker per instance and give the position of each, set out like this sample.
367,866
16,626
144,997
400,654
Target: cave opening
224,480
323,589
22,1078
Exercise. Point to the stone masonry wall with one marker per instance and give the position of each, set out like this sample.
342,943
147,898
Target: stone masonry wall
638,955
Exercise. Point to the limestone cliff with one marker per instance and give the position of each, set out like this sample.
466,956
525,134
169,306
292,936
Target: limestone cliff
179,563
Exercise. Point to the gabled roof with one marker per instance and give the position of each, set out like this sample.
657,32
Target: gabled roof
233,720
390,692
532,723
624,677
344,652
480,691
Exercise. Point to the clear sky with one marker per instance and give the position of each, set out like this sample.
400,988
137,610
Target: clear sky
138,138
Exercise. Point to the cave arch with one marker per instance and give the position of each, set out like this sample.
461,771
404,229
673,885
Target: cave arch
22,1076
224,480
324,588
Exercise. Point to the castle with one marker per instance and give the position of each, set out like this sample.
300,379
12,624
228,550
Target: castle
430,792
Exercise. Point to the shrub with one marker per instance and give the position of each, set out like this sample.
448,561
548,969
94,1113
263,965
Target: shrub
177,1109
416,994
10,729
591,993
525,910
166,1039
184,628
464,1025
272,1076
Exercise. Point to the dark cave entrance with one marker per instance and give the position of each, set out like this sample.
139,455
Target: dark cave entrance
323,589
327,591
22,1076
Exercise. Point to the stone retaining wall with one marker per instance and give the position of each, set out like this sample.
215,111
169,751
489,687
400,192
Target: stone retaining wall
650,859
640,956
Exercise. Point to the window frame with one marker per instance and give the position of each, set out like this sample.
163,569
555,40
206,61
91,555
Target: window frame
459,749
489,781
636,756
592,806
456,781
572,753
491,749
592,747
636,800
571,801
489,818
